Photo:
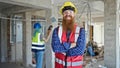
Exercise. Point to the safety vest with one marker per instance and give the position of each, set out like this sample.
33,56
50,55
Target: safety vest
37,44
71,61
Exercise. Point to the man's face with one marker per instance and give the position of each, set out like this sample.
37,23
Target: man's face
68,19
68,16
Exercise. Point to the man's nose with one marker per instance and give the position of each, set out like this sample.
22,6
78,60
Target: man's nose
68,13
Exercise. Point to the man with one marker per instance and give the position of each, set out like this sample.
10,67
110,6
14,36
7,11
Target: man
38,45
68,40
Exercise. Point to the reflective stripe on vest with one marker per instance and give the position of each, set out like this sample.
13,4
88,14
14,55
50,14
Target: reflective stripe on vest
77,63
37,45
76,33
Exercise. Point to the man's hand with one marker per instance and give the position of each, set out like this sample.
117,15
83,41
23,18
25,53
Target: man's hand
73,45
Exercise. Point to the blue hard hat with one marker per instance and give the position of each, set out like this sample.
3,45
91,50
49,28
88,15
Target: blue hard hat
37,25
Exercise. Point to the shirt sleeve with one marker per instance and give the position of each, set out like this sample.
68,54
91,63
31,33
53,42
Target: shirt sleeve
80,44
57,46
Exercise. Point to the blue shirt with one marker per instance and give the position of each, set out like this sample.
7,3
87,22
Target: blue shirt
65,47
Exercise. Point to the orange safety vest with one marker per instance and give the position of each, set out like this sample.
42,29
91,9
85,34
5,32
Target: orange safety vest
71,61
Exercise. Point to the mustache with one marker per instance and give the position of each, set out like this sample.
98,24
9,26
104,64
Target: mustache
64,18
68,16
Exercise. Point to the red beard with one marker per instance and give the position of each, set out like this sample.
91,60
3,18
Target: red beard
68,23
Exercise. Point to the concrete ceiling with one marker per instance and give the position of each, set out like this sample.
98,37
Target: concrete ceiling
10,8
96,7
5,5
93,7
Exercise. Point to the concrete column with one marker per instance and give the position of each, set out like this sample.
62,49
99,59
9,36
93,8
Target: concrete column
0,39
48,50
111,34
55,12
27,54
3,44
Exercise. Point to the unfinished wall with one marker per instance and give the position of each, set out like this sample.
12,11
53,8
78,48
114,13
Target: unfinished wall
16,41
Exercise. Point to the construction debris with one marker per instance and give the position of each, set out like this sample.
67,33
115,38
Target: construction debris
94,56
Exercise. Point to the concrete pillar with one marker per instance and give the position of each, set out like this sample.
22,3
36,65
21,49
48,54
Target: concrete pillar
111,34
49,52
3,44
55,12
27,54
0,39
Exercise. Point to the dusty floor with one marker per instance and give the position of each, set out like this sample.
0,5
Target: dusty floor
10,65
89,63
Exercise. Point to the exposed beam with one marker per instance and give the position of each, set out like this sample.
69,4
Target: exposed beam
17,9
35,5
